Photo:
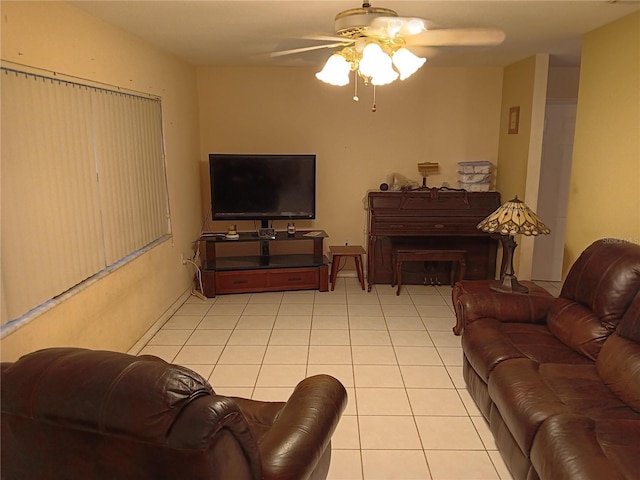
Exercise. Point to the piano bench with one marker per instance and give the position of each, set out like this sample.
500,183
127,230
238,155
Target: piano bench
402,254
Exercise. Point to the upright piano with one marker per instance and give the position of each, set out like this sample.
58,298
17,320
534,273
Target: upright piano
437,218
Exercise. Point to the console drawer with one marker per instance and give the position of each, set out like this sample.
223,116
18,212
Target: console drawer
293,278
227,282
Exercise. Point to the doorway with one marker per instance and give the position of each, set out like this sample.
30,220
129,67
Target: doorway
553,193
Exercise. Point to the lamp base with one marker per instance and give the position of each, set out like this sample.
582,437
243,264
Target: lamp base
508,284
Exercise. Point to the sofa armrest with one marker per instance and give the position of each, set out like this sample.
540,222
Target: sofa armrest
518,308
300,434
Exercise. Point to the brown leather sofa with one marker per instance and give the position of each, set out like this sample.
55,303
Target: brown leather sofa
558,379
82,414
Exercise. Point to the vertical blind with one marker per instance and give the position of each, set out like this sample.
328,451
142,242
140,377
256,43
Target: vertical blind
83,184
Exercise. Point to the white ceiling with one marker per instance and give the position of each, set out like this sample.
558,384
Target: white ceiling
244,32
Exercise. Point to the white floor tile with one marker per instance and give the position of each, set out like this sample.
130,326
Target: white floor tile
404,323
365,310
234,376
214,321
198,354
209,337
388,432
170,337
408,414
345,465
286,354
366,322
280,375
461,465
346,435
373,355
320,309
179,322
377,376
426,376
329,337
436,401
370,337
289,337
410,338
330,322
330,354
448,433
292,322
395,465
236,354
382,401
256,322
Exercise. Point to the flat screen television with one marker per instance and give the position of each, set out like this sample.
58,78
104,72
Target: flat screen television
262,187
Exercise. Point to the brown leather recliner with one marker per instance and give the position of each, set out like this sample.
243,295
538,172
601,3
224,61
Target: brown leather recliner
71,413
558,380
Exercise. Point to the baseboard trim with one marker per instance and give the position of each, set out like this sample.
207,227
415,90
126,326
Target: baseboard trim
140,344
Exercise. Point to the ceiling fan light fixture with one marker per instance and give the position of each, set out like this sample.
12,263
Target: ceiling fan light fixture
335,71
406,62
376,65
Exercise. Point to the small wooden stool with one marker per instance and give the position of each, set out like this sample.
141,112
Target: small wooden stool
401,254
337,252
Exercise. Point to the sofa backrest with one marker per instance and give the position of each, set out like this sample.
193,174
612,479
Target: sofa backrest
101,391
75,413
596,294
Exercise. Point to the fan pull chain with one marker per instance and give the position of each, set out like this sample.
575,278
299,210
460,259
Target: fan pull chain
374,107
355,92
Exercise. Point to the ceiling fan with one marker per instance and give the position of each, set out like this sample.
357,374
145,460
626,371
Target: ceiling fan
375,44
385,26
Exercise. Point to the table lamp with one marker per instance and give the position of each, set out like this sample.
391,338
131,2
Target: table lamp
510,219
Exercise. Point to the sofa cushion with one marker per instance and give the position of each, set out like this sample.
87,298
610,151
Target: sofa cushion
528,393
596,294
619,361
576,446
488,342
605,279
577,327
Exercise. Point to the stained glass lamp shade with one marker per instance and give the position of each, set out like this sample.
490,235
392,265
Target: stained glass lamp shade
512,218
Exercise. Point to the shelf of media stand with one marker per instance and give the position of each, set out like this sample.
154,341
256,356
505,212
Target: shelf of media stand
264,272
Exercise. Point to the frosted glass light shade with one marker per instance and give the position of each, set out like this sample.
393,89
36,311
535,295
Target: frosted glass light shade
407,63
335,71
377,65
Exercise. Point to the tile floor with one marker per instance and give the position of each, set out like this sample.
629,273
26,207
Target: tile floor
409,415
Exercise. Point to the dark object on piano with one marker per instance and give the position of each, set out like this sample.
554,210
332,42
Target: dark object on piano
443,219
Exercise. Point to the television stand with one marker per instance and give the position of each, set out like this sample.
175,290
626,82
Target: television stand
247,265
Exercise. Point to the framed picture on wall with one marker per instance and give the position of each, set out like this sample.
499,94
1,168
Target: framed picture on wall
514,120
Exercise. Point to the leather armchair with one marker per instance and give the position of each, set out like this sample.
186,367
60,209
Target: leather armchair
71,413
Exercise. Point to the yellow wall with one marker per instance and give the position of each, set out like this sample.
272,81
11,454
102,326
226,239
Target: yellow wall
444,115
604,199
115,311
520,154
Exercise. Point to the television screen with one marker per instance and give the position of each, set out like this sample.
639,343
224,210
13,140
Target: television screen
262,187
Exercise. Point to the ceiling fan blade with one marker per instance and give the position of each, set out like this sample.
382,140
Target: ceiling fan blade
396,26
308,49
326,38
457,37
